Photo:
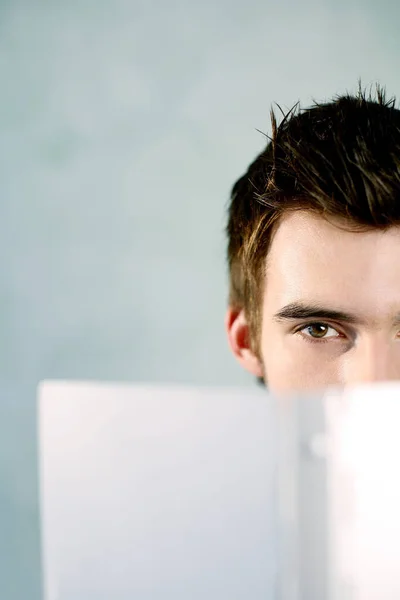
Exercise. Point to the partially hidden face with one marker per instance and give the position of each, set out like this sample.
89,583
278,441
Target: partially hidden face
331,307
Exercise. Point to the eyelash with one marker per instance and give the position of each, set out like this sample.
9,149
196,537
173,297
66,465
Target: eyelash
313,340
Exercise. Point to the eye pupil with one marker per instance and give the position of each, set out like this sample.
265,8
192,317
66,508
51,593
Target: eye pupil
316,326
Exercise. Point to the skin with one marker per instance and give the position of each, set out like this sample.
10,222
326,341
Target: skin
312,261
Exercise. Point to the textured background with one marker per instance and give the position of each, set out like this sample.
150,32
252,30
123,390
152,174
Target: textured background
123,126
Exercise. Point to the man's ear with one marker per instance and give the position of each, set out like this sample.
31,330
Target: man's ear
239,341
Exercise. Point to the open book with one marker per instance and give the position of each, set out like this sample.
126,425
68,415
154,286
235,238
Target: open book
180,493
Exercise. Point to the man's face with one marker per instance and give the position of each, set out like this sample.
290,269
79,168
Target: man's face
312,263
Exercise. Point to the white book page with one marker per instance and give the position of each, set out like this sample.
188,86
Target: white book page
156,493
363,425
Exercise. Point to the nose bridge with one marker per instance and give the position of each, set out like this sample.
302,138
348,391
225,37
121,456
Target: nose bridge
374,359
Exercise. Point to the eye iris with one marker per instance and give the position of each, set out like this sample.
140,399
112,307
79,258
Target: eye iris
315,327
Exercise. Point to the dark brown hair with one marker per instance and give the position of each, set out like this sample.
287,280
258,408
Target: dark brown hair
339,159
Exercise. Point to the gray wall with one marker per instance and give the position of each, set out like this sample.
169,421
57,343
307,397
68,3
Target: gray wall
123,126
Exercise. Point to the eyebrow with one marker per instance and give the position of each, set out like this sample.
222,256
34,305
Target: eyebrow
300,310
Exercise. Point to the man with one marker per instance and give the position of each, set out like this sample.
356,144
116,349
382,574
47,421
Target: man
314,249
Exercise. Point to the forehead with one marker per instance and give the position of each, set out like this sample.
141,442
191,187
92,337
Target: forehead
313,259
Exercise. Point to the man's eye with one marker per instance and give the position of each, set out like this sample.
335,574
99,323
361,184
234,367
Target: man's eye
318,331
